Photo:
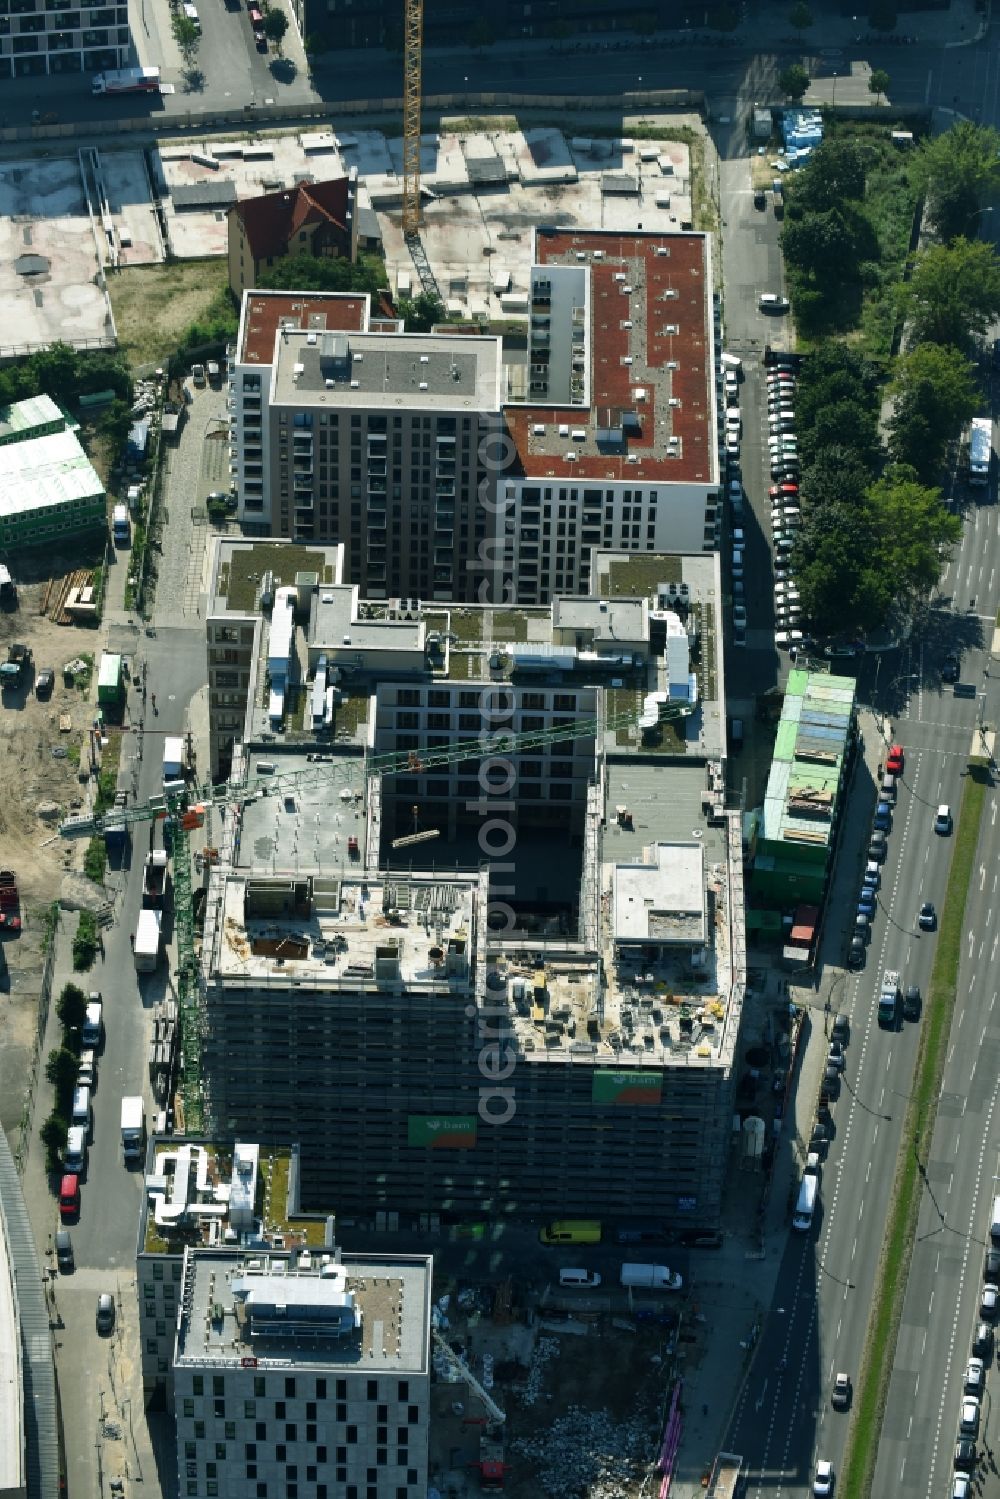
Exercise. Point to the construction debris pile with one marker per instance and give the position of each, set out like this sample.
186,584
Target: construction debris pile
588,1452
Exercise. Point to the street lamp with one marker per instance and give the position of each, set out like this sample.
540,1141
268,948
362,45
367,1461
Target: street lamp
833,104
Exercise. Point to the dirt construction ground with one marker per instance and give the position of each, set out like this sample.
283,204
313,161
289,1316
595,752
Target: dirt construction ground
31,777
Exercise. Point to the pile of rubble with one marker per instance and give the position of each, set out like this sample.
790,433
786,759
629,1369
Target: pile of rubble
544,1349
588,1452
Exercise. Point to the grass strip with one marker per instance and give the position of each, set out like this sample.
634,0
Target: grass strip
918,1126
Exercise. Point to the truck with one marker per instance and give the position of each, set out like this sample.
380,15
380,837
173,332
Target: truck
650,1277
173,761
127,81
133,1128
888,999
154,879
111,680
980,450
8,590
14,671
146,946
121,526
805,1207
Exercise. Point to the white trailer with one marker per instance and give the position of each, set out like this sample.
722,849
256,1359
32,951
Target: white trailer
146,948
133,1127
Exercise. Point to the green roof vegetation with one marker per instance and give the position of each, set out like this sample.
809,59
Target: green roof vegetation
240,581
638,576
509,625
271,1205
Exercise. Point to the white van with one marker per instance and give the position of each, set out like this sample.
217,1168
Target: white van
995,1222
81,1108
732,362
75,1154
806,1205
580,1279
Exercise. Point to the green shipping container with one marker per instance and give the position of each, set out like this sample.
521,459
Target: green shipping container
110,679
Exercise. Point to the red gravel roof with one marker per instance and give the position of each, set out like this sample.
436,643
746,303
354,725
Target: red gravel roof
613,385
265,311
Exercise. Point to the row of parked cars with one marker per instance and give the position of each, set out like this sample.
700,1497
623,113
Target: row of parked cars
734,431
974,1381
786,510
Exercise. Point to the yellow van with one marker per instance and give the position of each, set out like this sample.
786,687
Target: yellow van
571,1231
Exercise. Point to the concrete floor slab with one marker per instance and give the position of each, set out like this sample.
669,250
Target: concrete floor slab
48,256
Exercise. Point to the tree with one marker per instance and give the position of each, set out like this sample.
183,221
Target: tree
878,83
848,427
956,170
275,26
953,294
935,395
800,17
187,36
53,1135
838,478
71,1007
420,313
324,273
61,1069
821,244
913,528
793,81
834,175
842,590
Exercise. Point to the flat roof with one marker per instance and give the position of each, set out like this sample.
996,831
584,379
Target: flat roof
264,312
421,371
650,308
366,1312
800,803
395,932
662,899
44,473
12,1474
24,416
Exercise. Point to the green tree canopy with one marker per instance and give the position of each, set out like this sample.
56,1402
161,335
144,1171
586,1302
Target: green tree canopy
71,1007
912,526
834,175
847,427
935,395
793,81
420,313
953,294
800,17
824,244
275,26
878,82
835,371
61,1069
324,273
187,36
955,170
837,478
843,591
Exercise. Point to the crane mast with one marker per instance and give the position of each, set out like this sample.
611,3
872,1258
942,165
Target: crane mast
413,43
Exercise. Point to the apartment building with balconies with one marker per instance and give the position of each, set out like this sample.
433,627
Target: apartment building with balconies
42,37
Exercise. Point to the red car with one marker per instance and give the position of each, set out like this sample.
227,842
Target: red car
778,491
894,764
69,1197
8,923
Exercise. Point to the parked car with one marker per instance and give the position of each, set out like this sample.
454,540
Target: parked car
867,901
982,1341
69,1197
45,680
105,1313
975,1376
991,1265
856,953
895,760
965,1455
988,1301
968,1420
950,669
872,875
64,1251
770,301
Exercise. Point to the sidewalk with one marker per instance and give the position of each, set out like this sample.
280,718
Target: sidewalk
734,1289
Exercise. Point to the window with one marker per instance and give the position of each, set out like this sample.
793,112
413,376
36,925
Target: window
320,1390
258,1385
189,1409
279,1410
198,1385
220,1451
230,1431
352,1436
218,1384
190,1449
250,1451
199,1430
249,1410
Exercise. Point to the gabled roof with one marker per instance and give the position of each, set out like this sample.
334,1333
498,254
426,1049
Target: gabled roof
270,221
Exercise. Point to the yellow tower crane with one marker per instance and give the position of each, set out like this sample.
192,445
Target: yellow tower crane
413,46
